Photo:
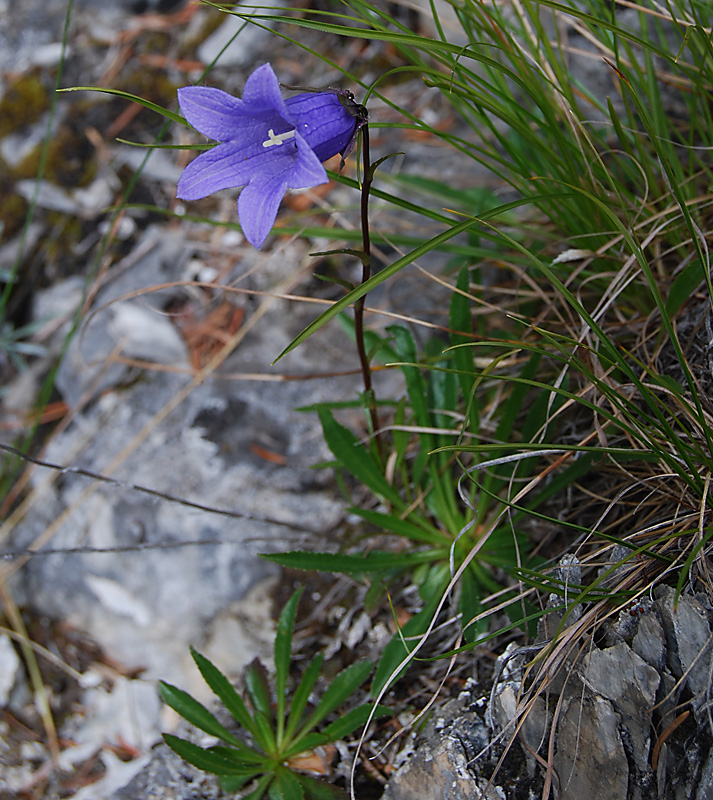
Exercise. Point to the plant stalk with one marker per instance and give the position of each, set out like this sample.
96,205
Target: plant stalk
365,275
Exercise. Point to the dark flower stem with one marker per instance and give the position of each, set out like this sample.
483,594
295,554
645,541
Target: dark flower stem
365,275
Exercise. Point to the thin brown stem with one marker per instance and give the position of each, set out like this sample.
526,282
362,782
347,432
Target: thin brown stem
365,275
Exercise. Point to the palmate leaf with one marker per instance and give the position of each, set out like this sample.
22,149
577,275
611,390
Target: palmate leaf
195,713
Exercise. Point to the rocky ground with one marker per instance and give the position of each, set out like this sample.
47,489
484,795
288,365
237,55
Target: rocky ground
115,581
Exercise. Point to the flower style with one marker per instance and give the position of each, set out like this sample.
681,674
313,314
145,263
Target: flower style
267,145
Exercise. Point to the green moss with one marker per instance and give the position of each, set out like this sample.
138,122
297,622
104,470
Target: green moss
70,160
58,250
13,208
22,103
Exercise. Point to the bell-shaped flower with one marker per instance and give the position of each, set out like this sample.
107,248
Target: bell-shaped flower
267,145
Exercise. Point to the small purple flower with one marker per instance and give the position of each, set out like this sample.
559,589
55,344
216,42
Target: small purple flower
267,144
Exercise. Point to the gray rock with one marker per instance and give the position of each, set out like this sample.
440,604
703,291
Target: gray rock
649,642
440,767
589,748
168,777
9,669
611,704
134,328
625,679
690,652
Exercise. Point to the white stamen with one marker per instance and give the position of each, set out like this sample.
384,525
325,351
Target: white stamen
277,139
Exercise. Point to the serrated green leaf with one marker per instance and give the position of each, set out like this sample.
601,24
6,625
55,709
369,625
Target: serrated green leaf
423,532
301,695
265,732
231,783
306,742
195,713
258,688
397,649
343,685
207,760
259,791
351,565
283,658
285,786
224,690
245,755
356,458
350,721
336,730
316,789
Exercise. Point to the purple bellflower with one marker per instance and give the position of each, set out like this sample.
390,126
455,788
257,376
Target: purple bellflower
267,144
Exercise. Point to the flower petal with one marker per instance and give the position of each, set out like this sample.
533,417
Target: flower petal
257,207
224,167
324,122
213,112
307,171
262,91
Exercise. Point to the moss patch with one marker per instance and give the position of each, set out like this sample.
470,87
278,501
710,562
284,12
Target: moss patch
70,160
22,103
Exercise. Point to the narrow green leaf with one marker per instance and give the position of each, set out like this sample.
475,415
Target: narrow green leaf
259,691
164,112
301,695
377,280
242,755
195,713
376,561
350,721
259,791
231,783
258,688
397,649
683,286
471,592
316,789
207,760
285,786
356,458
420,531
224,690
403,343
283,658
340,689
